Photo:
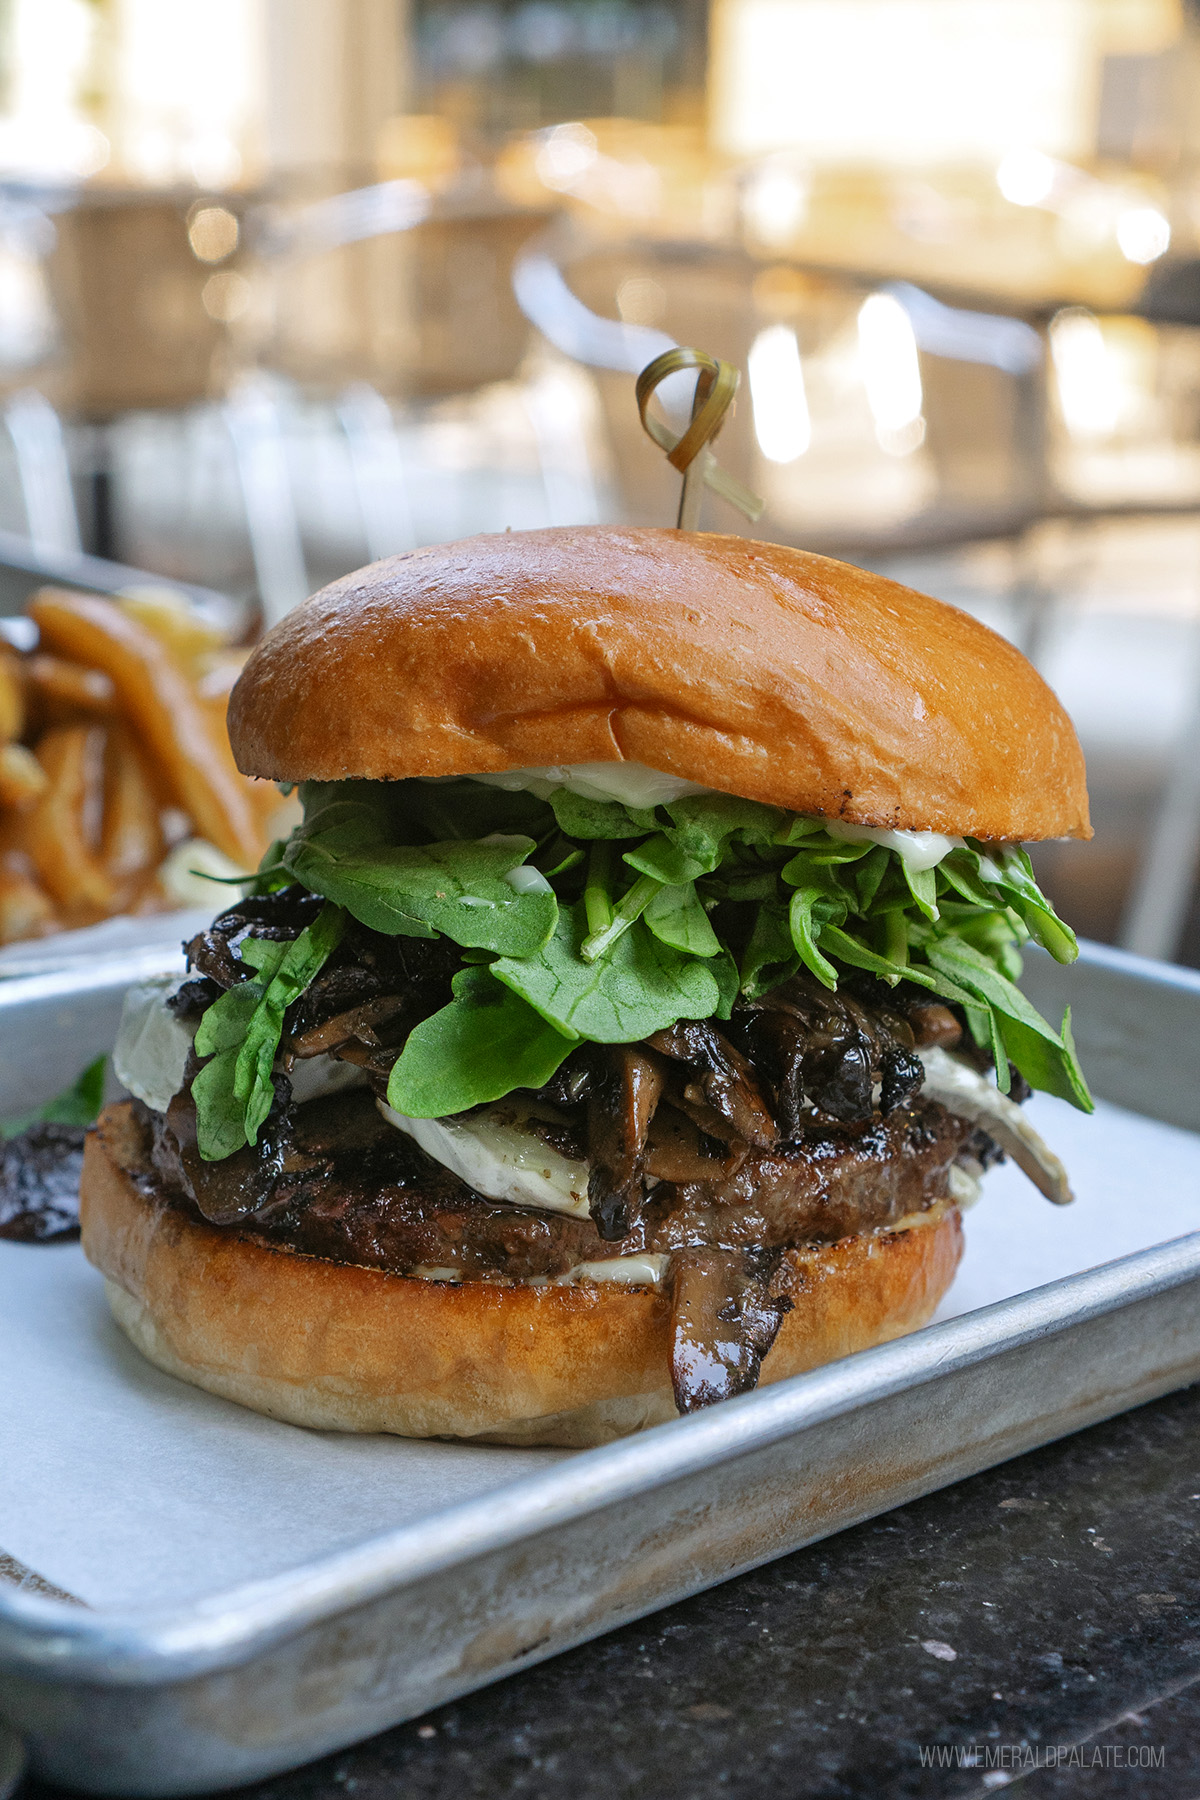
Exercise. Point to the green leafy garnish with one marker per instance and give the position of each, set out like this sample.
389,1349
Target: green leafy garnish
457,887
639,986
240,1034
485,1043
78,1104
581,919
579,817
676,917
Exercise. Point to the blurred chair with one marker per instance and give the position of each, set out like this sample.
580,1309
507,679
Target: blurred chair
136,327
164,304
380,294
28,342
129,275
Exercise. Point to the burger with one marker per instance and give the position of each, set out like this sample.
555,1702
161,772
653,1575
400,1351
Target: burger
629,1016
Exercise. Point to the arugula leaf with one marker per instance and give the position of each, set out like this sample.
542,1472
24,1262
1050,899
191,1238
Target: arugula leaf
1020,887
770,955
1044,1056
849,949
805,930
485,1043
430,811
973,970
579,817
461,808
663,859
724,972
711,819
834,851
423,858
743,883
637,987
868,876
458,887
805,871
922,885
240,1032
960,872
795,829
629,907
701,828
677,918
78,1104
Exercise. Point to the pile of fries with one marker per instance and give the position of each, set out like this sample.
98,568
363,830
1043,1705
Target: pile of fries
116,776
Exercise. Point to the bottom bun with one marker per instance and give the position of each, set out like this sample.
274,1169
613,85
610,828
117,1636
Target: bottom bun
342,1348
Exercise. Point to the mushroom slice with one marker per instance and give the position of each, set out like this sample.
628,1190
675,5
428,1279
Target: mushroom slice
620,1106
726,1310
964,1091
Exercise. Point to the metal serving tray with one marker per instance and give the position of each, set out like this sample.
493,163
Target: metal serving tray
278,1672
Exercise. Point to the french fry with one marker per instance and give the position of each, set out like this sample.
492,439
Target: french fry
25,910
22,777
54,833
173,623
131,838
156,696
12,698
61,690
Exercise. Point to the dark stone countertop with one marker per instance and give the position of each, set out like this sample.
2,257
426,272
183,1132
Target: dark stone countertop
1054,1601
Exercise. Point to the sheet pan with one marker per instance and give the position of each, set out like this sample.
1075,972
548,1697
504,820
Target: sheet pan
491,1560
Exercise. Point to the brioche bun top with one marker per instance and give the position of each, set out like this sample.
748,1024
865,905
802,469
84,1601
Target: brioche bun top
747,667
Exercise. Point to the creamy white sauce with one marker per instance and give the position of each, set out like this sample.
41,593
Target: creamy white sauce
633,784
525,880
646,1270
492,1153
152,1044
636,785
919,849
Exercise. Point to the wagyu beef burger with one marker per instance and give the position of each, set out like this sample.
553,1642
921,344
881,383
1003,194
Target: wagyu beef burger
632,1011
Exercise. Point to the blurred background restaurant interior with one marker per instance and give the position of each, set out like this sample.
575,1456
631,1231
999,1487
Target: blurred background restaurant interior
289,285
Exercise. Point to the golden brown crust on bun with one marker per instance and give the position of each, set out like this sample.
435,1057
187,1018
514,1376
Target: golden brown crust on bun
745,666
342,1348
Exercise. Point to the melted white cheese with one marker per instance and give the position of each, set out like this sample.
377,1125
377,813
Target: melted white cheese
965,1188
312,1077
646,1270
152,1047
152,1044
492,1153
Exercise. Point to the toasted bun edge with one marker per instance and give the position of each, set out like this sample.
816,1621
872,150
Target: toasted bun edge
342,1348
748,667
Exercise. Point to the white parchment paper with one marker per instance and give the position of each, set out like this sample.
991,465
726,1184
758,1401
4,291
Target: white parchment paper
130,1489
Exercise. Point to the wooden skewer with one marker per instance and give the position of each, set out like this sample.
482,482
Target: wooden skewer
691,495
716,385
